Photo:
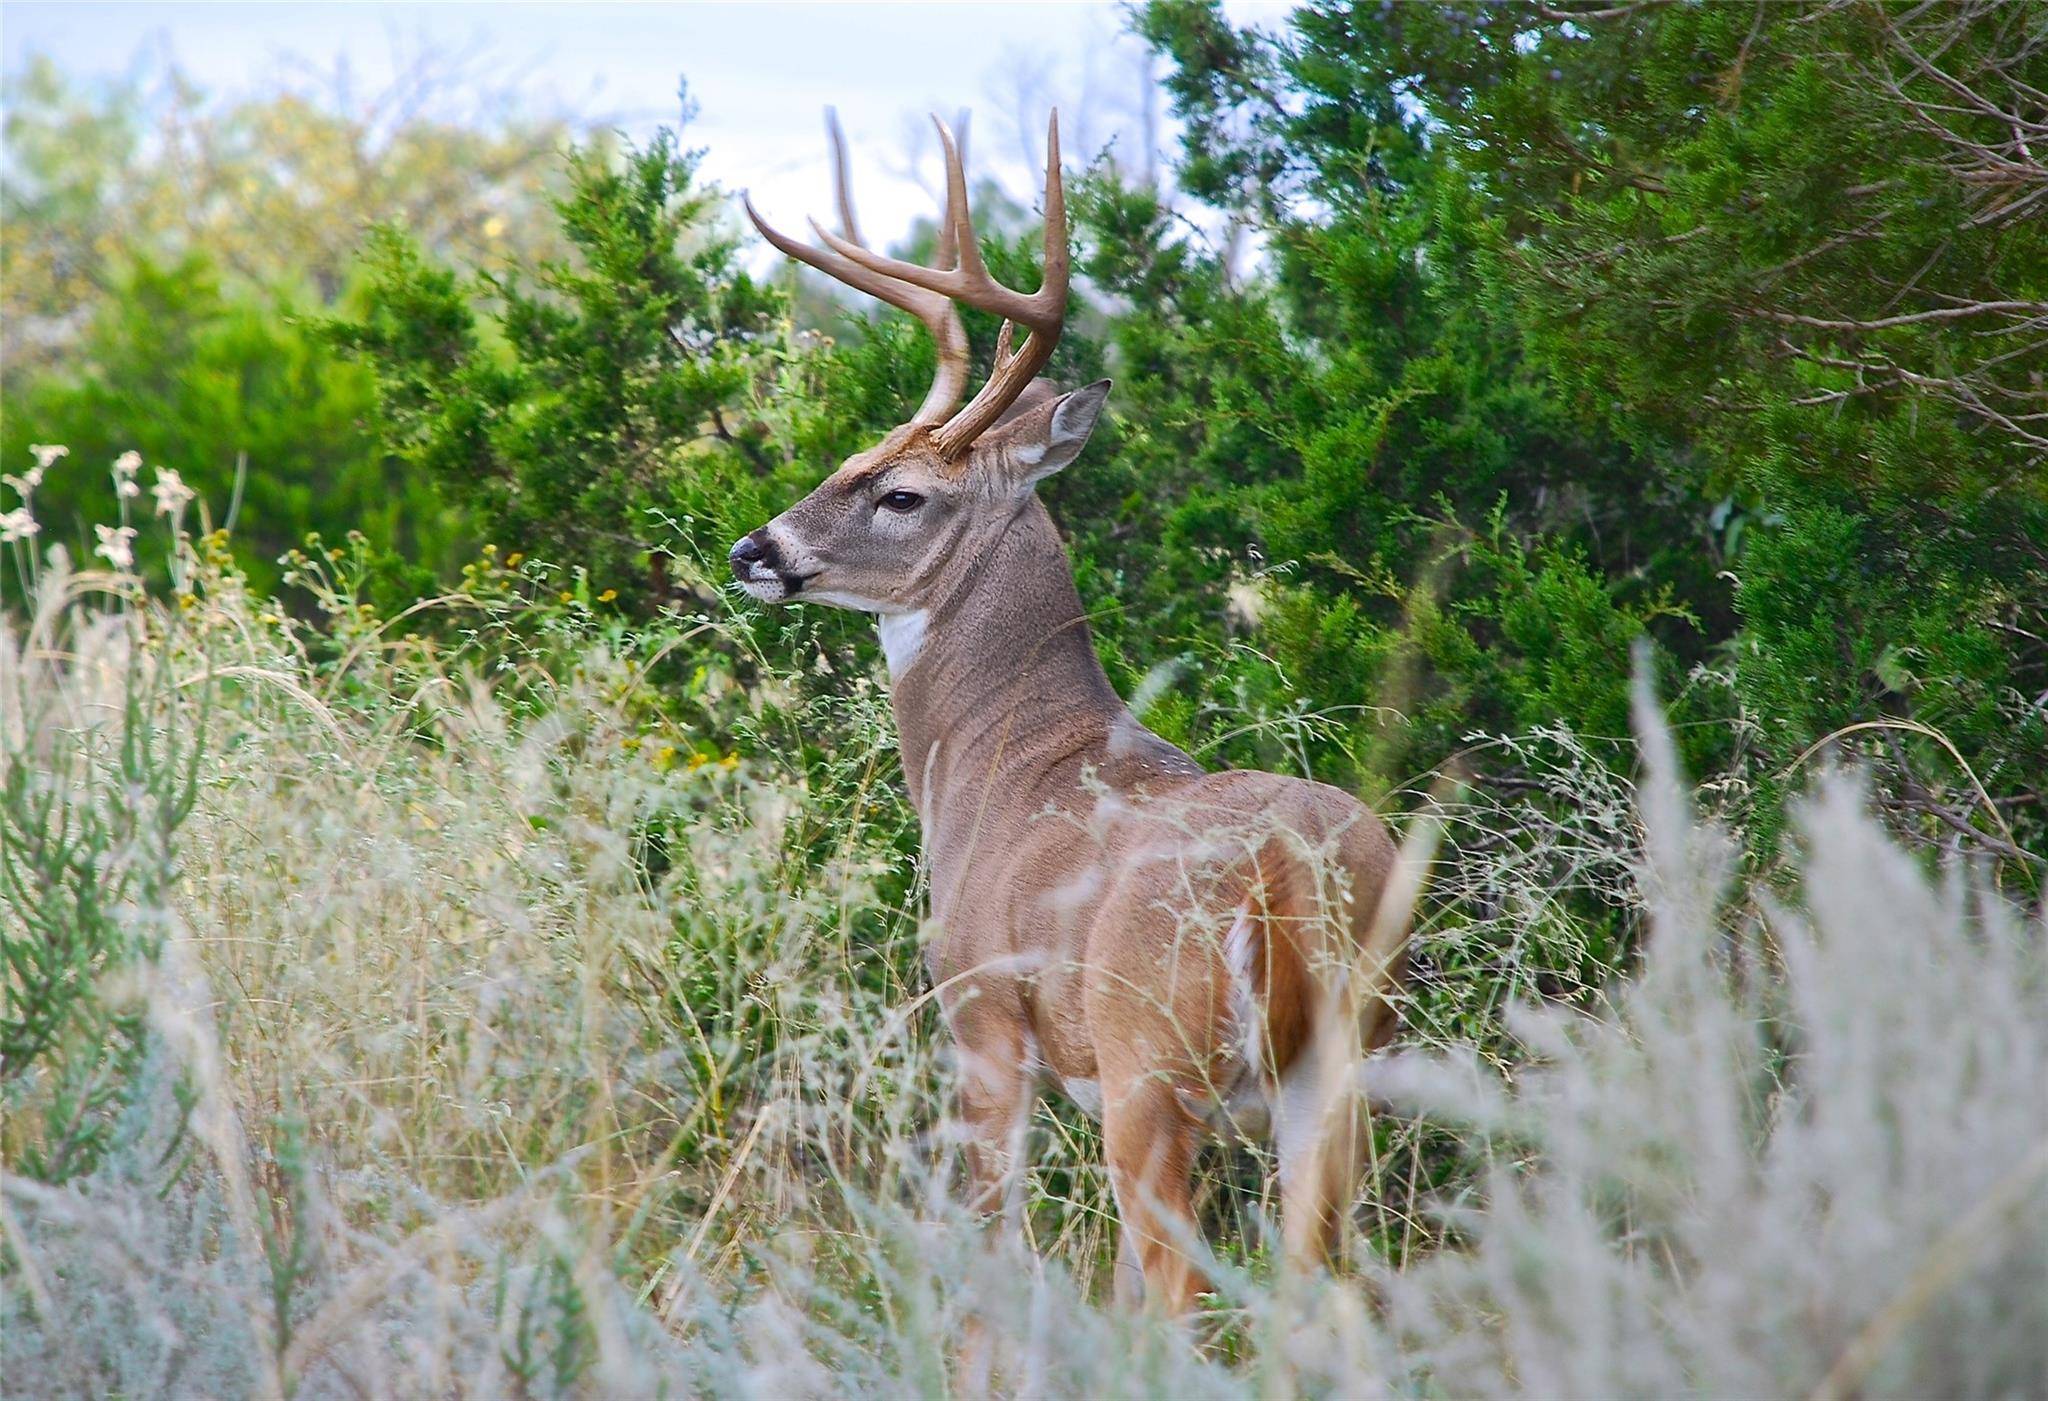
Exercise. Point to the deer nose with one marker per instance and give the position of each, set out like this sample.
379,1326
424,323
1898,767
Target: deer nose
751,550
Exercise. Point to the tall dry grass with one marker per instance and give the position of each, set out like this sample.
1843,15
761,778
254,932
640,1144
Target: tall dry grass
488,1027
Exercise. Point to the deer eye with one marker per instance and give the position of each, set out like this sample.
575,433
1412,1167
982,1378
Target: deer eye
901,502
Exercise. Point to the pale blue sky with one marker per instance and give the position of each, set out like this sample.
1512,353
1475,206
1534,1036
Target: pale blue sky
760,73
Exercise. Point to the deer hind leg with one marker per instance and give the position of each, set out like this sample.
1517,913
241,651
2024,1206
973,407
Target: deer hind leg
1150,1146
1319,1131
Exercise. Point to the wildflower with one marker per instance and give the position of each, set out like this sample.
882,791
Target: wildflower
115,545
170,491
47,453
697,761
567,596
25,483
729,762
125,468
17,524
608,595
512,560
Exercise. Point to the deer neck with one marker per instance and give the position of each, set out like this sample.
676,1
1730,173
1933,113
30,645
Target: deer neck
996,686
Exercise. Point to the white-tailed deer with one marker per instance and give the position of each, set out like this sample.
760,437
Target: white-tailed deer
1181,951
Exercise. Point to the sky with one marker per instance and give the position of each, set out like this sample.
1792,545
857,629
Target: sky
760,75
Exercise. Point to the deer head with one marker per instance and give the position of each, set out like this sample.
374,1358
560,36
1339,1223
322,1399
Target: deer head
882,532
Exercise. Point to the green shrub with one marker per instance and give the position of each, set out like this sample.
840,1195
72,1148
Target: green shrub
576,404
99,767
234,391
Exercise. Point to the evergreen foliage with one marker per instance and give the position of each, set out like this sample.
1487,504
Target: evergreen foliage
1734,310
591,398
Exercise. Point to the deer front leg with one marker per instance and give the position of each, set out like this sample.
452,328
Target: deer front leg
1150,1146
997,1084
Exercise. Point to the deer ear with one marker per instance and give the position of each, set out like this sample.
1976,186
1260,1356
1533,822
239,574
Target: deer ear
1041,441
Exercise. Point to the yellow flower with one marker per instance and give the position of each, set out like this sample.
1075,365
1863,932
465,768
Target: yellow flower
608,595
512,560
266,618
490,549
697,761
729,762
666,756
566,596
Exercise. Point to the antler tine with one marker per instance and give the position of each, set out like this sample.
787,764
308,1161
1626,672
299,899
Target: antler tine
936,311
949,236
842,193
959,212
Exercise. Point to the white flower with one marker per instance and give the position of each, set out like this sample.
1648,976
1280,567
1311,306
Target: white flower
114,545
46,453
25,483
17,524
125,468
170,491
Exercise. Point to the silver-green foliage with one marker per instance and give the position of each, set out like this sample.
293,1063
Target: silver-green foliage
1809,1155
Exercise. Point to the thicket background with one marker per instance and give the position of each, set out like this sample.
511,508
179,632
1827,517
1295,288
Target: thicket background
1716,327
1464,354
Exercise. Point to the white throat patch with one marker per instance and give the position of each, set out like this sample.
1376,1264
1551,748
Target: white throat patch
902,639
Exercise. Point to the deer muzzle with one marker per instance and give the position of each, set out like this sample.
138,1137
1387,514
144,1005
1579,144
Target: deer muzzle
758,564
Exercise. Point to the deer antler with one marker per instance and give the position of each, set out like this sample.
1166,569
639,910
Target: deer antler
933,308
1043,313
